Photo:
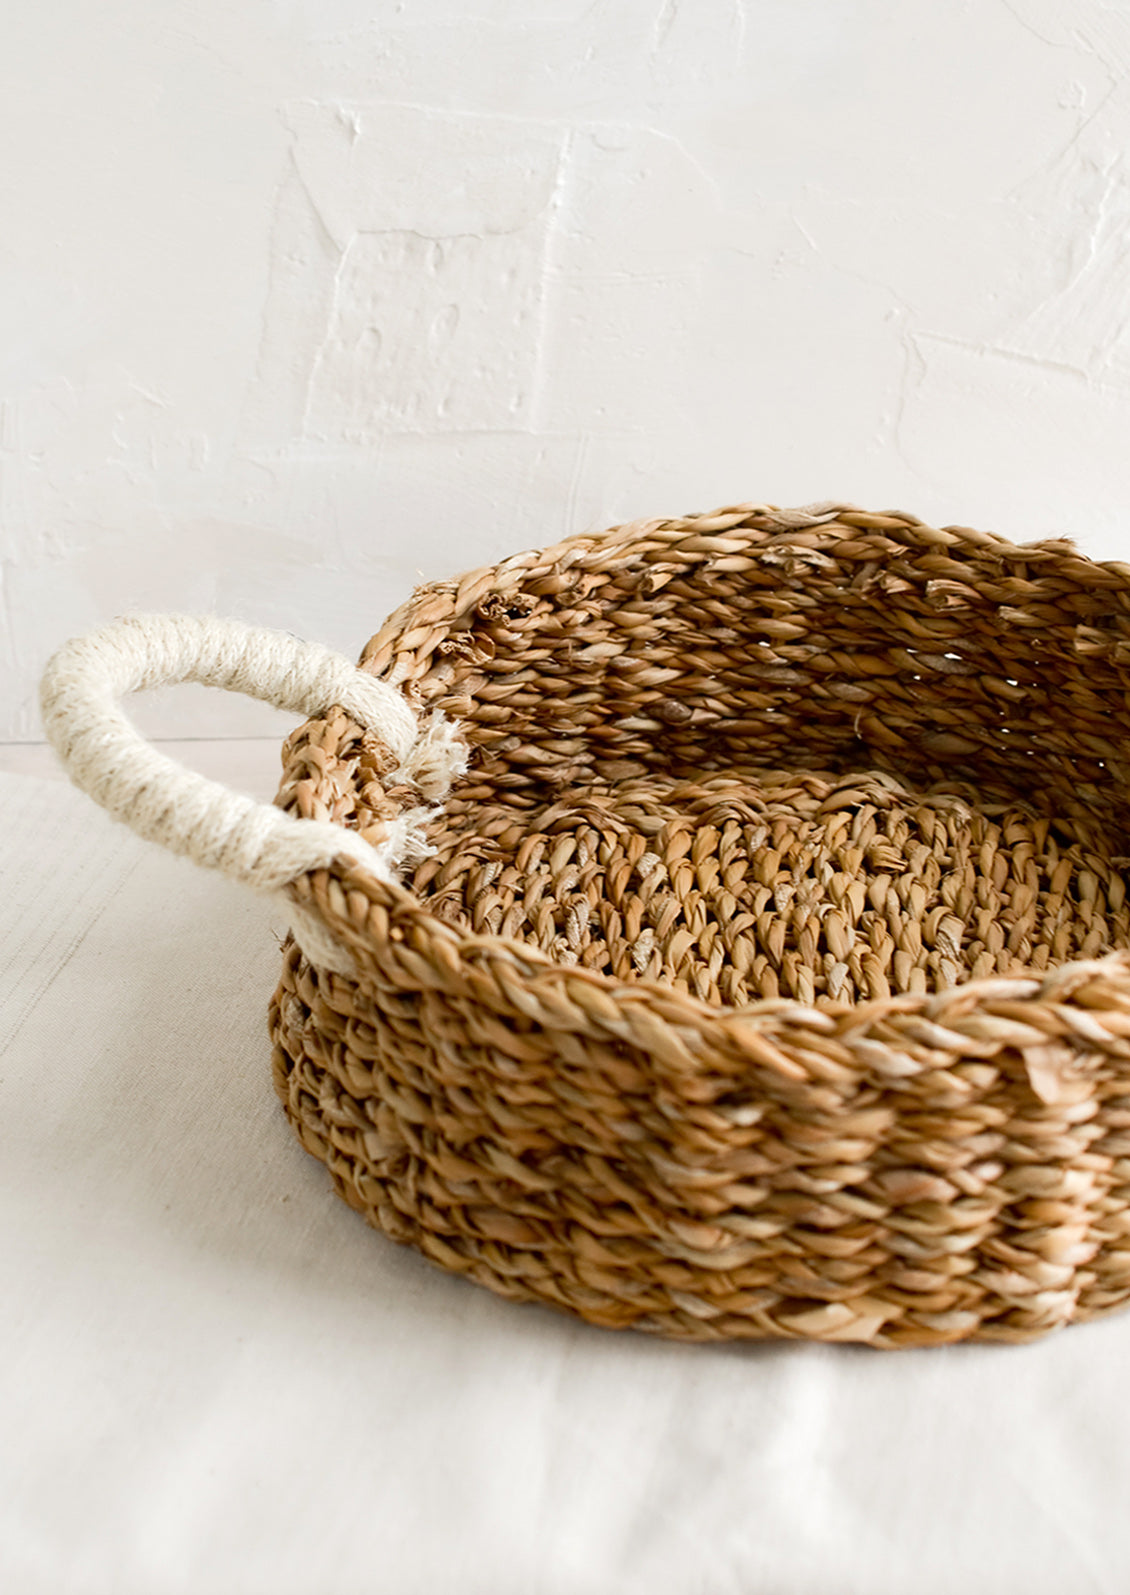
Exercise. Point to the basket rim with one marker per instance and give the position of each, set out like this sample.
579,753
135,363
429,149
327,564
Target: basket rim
787,527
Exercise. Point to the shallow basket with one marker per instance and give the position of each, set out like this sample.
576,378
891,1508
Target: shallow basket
764,971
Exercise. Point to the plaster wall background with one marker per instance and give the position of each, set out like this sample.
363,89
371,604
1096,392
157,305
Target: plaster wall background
304,301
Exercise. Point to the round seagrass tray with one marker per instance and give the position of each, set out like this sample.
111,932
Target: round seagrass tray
718,930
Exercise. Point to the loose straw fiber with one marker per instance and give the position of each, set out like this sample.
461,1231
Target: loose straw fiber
769,972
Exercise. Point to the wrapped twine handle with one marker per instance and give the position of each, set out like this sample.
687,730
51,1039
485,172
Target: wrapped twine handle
107,758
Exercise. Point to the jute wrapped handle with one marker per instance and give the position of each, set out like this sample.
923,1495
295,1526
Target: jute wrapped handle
106,757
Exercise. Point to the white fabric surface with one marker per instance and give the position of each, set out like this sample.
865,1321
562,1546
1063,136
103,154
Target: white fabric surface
214,1378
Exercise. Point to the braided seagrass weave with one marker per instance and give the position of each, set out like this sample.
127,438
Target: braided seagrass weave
767,973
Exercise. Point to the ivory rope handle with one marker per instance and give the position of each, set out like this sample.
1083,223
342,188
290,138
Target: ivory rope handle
252,842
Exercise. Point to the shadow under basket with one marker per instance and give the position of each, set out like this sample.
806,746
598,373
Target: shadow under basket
766,973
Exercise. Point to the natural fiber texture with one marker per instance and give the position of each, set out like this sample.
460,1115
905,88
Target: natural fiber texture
769,975
200,819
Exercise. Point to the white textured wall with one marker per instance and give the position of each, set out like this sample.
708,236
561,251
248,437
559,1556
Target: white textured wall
300,302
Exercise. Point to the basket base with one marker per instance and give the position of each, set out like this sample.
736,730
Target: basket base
825,888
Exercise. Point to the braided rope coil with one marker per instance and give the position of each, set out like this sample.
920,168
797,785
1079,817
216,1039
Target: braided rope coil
200,819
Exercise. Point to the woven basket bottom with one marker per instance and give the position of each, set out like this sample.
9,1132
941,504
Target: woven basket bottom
826,888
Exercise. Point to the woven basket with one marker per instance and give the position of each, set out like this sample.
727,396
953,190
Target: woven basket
764,972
